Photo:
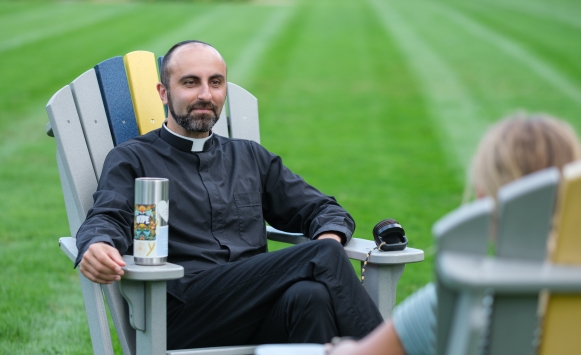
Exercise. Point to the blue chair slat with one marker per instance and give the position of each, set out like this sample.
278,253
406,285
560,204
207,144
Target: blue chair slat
117,99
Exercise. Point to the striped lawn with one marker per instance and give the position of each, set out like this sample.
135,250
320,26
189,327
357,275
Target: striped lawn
377,102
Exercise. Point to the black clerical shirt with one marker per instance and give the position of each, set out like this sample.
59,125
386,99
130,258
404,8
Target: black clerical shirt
219,199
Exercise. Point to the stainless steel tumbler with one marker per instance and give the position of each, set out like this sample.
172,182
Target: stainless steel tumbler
150,227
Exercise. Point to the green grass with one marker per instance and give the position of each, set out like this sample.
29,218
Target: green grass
376,102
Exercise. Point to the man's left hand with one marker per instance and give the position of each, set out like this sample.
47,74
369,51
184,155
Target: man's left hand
329,236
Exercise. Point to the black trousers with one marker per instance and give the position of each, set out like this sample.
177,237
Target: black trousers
307,293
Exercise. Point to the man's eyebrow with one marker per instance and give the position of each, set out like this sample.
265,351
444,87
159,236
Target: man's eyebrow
190,76
195,77
217,76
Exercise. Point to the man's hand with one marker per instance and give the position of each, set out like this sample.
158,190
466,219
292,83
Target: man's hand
102,263
329,236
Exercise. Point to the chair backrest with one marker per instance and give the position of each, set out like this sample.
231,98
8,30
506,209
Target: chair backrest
489,303
107,105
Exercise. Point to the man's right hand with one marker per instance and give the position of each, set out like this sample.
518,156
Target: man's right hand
102,263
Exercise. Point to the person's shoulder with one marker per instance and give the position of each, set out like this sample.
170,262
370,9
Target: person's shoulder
139,141
239,143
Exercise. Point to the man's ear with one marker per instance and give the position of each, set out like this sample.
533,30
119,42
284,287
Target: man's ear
162,93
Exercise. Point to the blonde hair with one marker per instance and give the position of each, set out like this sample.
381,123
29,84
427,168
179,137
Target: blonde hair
519,145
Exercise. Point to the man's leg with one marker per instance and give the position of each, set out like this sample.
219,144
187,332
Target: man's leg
228,305
303,314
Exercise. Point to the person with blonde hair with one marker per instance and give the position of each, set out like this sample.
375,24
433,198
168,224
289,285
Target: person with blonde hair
512,148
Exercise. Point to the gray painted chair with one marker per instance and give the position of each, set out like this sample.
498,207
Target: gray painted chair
489,301
111,103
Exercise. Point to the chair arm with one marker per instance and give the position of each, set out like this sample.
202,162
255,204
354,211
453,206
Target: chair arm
356,248
466,272
69,246
164,272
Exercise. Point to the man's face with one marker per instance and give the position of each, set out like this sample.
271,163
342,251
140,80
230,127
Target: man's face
197,87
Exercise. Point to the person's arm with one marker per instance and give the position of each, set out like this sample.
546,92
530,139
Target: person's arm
382,341
291,204
108,230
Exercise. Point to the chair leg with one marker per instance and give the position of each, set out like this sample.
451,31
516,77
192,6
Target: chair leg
381,284
97,316
147,297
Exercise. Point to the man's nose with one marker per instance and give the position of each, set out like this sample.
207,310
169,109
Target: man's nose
204,93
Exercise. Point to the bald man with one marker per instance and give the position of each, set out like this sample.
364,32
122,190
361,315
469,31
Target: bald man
222,192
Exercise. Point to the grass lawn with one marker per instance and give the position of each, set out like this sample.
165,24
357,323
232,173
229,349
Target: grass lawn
379,103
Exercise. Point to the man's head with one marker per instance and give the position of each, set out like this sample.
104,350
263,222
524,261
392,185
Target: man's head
193,86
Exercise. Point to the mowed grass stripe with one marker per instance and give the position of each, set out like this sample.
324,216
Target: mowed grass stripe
498,82
452,107
356,126
246,63
66,20
543,69
541,10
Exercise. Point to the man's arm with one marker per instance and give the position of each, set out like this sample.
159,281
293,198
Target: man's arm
291,204
108,230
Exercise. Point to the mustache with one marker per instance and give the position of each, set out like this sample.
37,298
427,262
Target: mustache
202,105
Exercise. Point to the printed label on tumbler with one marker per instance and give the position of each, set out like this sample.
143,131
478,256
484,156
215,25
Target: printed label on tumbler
145,223
145,249
162,241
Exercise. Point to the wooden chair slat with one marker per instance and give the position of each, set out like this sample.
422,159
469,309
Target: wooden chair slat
117,99
73,151
243,114
525,213
560,333
464,230
93,118
568,246
142,79
221,127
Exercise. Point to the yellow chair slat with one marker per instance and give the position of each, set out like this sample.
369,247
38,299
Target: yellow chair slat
142,77
568,244
562,319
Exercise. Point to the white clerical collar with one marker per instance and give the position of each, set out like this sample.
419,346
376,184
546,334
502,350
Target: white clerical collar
197,143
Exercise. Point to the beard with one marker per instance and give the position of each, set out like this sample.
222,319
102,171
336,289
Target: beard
195,122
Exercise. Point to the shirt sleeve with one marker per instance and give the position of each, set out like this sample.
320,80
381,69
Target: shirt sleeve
110,220
291,204
415,321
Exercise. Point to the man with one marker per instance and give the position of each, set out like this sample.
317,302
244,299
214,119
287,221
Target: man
222,191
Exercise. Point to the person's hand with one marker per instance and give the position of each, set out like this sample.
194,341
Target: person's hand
102,263
329,236
344,347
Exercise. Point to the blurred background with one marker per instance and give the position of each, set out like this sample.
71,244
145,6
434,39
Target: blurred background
379,103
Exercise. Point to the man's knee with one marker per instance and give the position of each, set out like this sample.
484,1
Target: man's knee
308,294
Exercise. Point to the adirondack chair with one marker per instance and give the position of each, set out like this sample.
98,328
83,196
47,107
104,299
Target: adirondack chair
490,304
115,101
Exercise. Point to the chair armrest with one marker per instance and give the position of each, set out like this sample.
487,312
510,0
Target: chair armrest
69,246
168,271
467,272
356,248
280,236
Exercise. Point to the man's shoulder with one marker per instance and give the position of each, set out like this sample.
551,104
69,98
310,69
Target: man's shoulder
146,138
240,144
